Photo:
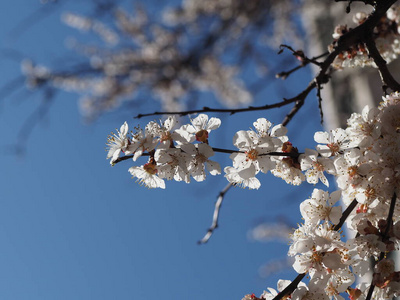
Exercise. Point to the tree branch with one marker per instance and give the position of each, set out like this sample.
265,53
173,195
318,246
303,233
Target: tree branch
386,76
214,224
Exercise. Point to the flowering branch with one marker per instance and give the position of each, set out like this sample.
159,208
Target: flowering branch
353,37
284,154
360,157
389,222
293,285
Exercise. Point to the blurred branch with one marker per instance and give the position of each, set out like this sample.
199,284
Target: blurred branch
42,12
30,123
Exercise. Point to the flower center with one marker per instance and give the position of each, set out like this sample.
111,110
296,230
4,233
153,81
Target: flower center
318,166
252,154
334,147
370,192
200,159
166,136
202,136
352,171
150,168
316,257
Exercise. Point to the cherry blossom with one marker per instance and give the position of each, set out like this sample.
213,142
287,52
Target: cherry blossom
147,175
320,207
363,158
117,143
200,128
316,166
199,161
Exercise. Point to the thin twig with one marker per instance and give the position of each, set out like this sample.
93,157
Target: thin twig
221,110
304,61
321,112
214,224
228,151
34,118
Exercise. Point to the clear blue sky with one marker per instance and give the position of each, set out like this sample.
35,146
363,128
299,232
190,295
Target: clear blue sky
72,227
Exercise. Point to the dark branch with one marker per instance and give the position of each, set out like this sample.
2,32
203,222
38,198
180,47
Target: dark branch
34,118
302,58
214,224
386,76
228,151
345,215
222,110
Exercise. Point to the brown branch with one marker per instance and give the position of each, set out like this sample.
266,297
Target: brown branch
304,61
358,35
228,151
214,224
366,2
345,214
20,146
221,110
321,112
386,76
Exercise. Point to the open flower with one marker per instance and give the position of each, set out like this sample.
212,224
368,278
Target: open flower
316,166
320,207
147,175
254,150
335,141
199,161
200,128
117,143
243,178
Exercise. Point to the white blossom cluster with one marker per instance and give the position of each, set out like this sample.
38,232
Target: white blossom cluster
181,153
365,160
386,36
176,154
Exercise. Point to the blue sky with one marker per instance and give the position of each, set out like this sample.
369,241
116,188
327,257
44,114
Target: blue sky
72,227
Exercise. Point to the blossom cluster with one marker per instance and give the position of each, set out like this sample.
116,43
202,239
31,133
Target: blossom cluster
386,36
177,154
180,153
363,157
365,161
